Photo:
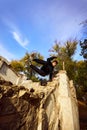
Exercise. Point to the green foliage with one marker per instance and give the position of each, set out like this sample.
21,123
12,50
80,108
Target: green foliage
70,48
64,53
81,74
80,92
17,65
84,49
70,67
35,79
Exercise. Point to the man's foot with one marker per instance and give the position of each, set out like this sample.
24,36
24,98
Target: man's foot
33,56
28,62
43,82
30,58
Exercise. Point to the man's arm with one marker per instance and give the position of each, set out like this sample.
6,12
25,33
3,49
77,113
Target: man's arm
50,76
50,73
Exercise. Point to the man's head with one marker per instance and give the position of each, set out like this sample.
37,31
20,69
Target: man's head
54,63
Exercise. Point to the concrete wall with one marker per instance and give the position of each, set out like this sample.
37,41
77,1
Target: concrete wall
8,74
59,106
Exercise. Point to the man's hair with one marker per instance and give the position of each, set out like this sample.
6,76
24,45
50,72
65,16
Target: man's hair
55,61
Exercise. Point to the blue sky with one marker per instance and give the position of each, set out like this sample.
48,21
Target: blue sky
34,25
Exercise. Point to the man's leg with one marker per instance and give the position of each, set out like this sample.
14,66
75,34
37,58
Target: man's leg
38,70
40,61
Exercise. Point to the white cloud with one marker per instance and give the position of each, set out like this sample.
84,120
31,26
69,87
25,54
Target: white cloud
19,38
5,53
16,33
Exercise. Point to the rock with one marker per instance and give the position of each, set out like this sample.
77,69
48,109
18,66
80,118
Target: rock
31,90
17,109
30,106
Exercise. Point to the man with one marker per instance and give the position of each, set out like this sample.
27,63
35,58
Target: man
47,68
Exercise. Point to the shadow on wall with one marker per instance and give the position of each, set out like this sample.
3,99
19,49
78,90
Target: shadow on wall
9,117
17,113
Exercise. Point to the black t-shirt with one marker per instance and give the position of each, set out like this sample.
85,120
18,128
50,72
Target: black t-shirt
48,68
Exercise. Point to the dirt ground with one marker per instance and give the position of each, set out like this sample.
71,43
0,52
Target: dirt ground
83,115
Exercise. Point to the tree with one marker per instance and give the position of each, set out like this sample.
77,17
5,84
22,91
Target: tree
84,49
64,52
70,47
80,79
81,74
17,66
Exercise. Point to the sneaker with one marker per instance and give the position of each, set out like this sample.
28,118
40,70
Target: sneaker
32,56
28,61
